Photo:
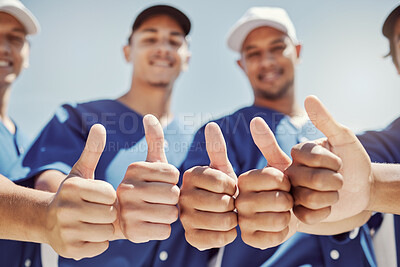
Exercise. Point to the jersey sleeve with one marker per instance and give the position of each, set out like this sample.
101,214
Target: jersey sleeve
383,146
59,145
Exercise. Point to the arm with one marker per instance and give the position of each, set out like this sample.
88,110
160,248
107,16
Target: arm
77,221
334,228
23,212
385,191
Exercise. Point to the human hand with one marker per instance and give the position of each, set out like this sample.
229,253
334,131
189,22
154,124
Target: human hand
207,200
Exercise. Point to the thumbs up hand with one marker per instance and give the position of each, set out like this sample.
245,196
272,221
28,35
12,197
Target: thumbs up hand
331,177
82,212
207,197
264,201
148,193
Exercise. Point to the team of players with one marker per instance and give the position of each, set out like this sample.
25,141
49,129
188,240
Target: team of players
236,190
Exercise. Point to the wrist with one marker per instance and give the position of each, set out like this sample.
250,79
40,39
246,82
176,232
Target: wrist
46,218
374,189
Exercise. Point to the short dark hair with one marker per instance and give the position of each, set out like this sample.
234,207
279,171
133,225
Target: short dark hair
173,12
388,30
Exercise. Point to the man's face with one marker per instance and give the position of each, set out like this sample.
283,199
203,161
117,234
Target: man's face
268,58
396,44
158,51
14,49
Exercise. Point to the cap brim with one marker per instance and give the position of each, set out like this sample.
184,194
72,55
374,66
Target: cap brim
24,16
238,34
173,12
388,25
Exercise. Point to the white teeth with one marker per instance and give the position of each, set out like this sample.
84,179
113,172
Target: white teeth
161,64
267,77
4,63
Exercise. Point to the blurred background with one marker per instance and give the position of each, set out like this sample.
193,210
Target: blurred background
78,57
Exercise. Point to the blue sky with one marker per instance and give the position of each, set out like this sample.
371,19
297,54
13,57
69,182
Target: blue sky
78,57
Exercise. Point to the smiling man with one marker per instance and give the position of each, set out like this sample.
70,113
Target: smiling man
145,177
16,23
229,197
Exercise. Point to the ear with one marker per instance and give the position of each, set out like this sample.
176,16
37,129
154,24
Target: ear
186,60
396,65
25,64
127,52
298,50
240,64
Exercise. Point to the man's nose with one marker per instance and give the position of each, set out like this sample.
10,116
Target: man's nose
163,48
268,59
5,48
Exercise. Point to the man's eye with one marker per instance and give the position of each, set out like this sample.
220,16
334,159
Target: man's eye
278,48
175,43
17,40
253,54
150,40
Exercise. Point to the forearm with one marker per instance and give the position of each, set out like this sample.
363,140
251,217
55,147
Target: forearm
334,228
23,212
49,180
385,190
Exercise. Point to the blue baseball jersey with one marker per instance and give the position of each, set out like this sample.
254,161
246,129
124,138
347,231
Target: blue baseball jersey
348,249
59,146
12,147
384,147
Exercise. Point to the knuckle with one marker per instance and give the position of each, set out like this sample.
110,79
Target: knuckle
226,203
113,214
296,150
175,193
135,168
172,215
315,159
246,224
71,251
188,176
283,201
130,215
223,238
310,198
243,180
316,179
71,185
173,172
273,173
281,220
229,221
249,239
193,239
335,197
243,203
164,233
185,219
276,238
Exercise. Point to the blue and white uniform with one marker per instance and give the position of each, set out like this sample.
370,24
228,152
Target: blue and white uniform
59,146
349,249
384,147
12,147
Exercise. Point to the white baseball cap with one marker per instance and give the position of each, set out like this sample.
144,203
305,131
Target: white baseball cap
256,17
16,9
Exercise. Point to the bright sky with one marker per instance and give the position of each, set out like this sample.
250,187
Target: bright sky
78,57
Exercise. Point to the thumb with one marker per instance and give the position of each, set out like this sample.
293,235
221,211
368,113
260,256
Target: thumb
266,142
87,163
216,149
336,133
155,139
